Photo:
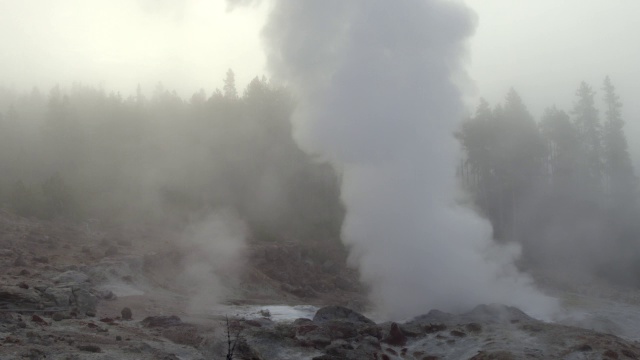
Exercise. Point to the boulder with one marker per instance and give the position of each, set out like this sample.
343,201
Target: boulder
395,337
71,277
85,301
161,321
61,296
340,313
496,313
17,295
126,313
6,253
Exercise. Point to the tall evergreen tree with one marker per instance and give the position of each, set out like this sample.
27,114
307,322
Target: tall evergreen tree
620,178
562,146
229,88
589,129
504,158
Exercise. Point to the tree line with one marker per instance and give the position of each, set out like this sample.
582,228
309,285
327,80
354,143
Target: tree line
564,187
83,153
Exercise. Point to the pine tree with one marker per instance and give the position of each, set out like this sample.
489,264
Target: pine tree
229,88
619,175
562,146
587,123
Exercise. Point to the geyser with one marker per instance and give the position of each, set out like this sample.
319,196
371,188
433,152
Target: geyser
376,83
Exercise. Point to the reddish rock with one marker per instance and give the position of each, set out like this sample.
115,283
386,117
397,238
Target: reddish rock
161,321
395,336
37,319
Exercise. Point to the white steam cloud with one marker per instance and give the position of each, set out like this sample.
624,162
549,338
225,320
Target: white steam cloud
377,96
214,247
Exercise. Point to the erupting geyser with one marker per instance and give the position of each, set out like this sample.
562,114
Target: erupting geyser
376,87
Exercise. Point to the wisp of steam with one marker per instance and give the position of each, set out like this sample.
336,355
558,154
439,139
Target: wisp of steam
376,87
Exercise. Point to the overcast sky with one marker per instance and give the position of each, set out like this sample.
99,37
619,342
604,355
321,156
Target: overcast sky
543,48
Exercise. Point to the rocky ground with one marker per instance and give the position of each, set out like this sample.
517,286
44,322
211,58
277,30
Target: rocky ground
87,291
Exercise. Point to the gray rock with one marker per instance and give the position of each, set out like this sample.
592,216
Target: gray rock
161,321
84,301
18,295
318,338
105,295
71,277
126,313
6,253
19,261
336,345
60,295
328,313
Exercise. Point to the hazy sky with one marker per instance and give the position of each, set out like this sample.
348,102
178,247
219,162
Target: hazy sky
543,48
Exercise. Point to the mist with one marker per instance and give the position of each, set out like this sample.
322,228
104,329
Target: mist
207,176
352,130
379,98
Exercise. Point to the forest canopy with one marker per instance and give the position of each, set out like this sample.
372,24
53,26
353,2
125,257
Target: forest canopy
564,187
83,153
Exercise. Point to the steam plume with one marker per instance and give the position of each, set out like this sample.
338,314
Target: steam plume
377,96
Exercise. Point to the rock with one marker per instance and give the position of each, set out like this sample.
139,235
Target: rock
126,313
434,328
336,345
473,327
369,344
395,336
183,335
313,335
584,348
85,301
105,295
118,338
41,259
6,253
335,312
318,338
124,242
60,295
71,277
252,322
57,317
38,320
370,330
23,285
327,357
302,321
495,313
19,261
24,272
496,355
341,329
411,329
161,321
111,251
7,318
90,348
35,354
108,320
16,295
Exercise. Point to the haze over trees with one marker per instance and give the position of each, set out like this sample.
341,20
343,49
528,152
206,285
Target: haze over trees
563,187
83,153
